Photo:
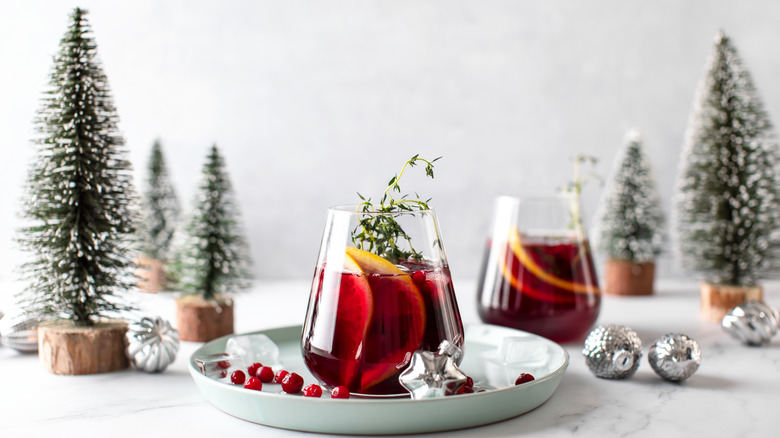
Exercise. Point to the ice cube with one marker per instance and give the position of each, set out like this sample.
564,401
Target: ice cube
254,348
219,366
523,351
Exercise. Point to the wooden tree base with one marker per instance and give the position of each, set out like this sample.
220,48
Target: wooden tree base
718,300
202,320
151,274
67,349
627,278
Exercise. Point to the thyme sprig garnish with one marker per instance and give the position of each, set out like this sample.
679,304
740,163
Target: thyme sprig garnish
381,234
574,190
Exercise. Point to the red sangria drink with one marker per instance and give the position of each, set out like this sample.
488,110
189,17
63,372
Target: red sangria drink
381,291
540,281
369,315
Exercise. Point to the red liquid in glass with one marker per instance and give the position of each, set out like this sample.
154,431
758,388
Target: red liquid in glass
544,285
364,346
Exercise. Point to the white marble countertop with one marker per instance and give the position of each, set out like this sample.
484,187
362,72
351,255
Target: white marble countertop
734,393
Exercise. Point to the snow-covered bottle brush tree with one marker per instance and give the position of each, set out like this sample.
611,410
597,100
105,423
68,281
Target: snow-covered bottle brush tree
79,220
630,224
727,209
212,260
160,209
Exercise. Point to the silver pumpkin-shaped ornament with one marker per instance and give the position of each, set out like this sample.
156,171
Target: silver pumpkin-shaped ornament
675,357
752,322
152,344
20,332
612,351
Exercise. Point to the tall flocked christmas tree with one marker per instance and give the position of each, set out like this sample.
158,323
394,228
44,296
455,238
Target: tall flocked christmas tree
79,191
630,226
727,204
79,218
160,209
213,259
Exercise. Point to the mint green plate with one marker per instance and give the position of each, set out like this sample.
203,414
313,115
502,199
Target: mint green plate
547,361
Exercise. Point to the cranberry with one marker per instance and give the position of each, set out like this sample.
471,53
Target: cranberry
418,277
468,387
253,383
223,364
265,374
280,375
253,368
524,377
238,377
292,383
339,392
312,391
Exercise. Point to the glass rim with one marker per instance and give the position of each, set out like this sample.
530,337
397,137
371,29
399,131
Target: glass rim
354,209
536,198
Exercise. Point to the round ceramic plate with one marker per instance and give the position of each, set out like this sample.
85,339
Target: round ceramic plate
493,356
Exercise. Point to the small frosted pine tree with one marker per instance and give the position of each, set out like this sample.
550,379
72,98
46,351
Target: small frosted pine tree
160,208
727,205
79,192
213,258
630,223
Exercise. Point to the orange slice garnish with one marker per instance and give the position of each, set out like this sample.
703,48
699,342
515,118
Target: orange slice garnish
516,244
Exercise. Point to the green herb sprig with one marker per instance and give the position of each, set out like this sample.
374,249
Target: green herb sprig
381,234
574,189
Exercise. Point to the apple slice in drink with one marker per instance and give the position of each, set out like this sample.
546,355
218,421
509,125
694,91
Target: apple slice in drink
397,324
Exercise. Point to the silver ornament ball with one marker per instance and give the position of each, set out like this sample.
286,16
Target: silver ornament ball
752,323
612,351
675,357
152,344
20,332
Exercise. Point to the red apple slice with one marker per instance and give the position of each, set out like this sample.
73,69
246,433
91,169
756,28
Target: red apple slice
398,320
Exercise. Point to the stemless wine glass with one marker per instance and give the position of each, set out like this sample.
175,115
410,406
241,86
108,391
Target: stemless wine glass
381,290
538,274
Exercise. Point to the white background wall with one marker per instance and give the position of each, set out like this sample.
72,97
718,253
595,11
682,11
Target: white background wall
311,101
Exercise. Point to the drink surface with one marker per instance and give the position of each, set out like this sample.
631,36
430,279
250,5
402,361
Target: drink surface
362,328
541,284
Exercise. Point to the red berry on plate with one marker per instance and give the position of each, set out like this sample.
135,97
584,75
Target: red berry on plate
339,392
524,377
253,383
465,390
238,377
265,374
253,368
292,383
280,375
312,391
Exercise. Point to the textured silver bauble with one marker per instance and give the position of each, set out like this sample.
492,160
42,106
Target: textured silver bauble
612,351
675,357
152,344
752,322
20,332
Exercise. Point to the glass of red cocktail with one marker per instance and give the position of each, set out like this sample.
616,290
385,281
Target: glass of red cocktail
377,296
537,273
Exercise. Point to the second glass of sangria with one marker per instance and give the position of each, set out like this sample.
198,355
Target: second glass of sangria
537,273
381,290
